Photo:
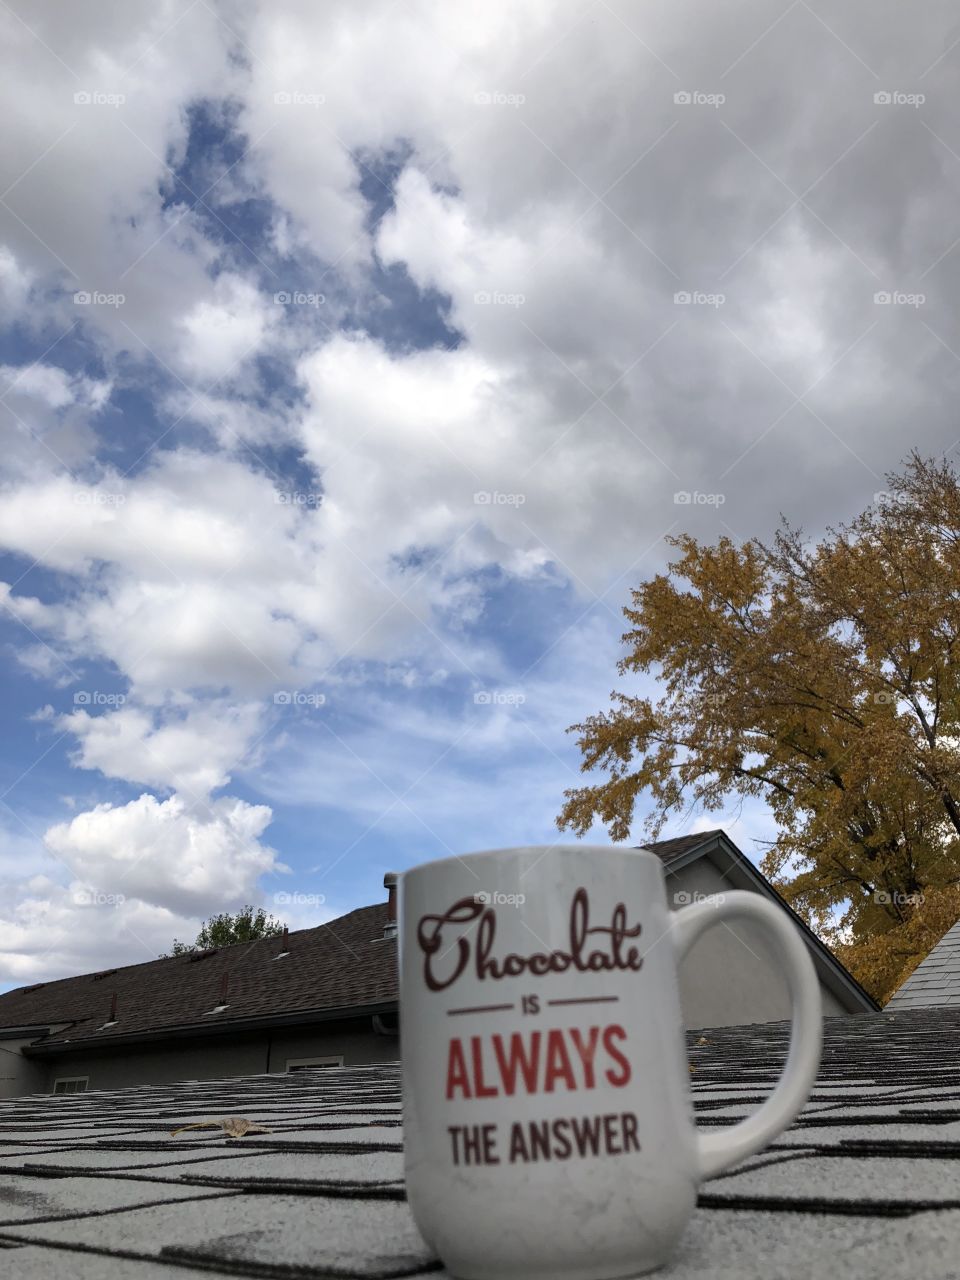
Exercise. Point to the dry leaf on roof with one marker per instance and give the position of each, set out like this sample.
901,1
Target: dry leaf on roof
232,1126
704,1040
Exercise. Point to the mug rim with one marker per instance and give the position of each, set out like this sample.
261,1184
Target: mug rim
604,850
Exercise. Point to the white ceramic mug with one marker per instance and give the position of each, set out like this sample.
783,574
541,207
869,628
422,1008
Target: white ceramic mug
548,1124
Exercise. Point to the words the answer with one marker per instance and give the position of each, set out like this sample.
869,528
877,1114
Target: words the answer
530,1141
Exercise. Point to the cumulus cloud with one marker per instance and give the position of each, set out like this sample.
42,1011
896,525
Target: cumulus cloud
224,330
168,853
686,294
54,922
102,111
15,282
51,930
193,752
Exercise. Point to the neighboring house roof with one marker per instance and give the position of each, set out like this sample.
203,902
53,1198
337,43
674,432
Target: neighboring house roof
863,1184
936,979
740,873
680,846
343,967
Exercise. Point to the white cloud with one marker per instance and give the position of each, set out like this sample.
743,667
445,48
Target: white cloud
557,194
193,752
53,386
15,283
167,853
54,923
221,332
51,930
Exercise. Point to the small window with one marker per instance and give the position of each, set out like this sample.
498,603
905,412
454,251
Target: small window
71,1084
304,1064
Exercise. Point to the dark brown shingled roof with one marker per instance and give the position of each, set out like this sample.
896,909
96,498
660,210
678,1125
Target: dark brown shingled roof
344,965
670,849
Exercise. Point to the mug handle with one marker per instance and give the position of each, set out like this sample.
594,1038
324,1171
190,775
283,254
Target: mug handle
717,1151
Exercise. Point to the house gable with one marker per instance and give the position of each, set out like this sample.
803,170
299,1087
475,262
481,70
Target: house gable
734,965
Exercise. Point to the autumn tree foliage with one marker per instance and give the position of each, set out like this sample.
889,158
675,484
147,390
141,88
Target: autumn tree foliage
825,679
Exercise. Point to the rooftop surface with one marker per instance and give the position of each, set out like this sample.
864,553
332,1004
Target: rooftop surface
866,1182
936,979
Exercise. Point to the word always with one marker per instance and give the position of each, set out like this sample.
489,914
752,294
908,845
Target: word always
536,1062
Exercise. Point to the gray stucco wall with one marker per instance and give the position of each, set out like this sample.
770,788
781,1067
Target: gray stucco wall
730,976
253,1054
18,1075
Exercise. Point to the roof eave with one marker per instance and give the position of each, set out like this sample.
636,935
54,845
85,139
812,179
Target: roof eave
204,1030
28,1029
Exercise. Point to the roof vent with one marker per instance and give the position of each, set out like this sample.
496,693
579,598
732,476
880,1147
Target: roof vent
194,956
37,986
112,1019
222,1002
390,884
105,973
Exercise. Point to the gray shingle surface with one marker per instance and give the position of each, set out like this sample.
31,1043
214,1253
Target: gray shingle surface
865,1183
936,979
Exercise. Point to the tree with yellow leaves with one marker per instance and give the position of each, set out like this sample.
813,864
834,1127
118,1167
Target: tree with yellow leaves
826,680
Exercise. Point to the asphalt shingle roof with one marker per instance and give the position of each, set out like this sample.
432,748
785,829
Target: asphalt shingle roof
679,845
345,964
936,979
865,1183
341,965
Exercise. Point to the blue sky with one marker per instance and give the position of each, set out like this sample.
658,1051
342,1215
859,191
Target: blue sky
356,363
